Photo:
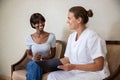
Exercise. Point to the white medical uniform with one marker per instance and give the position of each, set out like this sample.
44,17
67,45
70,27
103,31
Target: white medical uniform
83,51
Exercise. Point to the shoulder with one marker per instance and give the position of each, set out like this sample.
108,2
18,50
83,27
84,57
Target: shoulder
28,37
51,35
94,37
93,34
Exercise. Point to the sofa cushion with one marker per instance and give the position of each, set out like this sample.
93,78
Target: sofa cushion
44,77
113,57
19,75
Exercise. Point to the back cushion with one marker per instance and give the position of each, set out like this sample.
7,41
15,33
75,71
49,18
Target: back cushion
113,56
59,49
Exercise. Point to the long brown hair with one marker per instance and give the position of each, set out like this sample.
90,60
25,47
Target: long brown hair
79,11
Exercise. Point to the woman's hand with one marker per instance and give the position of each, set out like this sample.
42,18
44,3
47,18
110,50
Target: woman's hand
65,60
37,56
67,67
97,65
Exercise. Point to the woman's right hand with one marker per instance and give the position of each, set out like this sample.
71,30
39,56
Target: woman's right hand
36,57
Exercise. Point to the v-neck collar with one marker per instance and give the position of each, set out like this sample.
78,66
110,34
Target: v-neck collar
80,37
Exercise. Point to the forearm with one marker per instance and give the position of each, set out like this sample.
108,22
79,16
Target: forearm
95,66
30,57
51,55
47,57
29,54
88,67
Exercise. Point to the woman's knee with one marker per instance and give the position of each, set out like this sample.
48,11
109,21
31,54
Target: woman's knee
30,64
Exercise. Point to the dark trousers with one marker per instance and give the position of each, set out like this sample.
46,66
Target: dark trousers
49,65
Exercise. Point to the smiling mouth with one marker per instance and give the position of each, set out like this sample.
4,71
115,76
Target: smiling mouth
41,27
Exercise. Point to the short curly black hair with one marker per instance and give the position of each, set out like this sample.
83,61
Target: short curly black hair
36,18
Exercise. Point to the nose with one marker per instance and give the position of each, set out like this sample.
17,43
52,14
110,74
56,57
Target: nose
40,25
68,22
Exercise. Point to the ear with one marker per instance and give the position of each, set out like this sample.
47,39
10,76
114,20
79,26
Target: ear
44,23
33,25
79,20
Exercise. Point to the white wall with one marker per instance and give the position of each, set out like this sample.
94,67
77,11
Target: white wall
14,23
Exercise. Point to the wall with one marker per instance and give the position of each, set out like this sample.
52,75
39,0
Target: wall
14,23
0,35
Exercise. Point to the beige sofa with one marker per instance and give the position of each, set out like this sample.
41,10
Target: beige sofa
18,70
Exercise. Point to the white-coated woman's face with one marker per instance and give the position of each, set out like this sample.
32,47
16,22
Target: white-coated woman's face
72,21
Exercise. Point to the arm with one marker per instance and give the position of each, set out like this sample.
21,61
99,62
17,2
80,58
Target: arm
96,66
29,54
64,60
28,47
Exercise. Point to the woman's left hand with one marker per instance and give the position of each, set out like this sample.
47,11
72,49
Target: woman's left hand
67,67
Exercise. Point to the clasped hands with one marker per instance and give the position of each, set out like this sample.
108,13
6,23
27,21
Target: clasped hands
37,56
67,67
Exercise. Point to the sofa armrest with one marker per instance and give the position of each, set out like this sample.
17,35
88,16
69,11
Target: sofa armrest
21,64
114,75
113,54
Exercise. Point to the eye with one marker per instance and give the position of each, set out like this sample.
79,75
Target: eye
68,17
36,25
40,24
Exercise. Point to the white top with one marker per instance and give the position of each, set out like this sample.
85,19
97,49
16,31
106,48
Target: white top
88,47
44,48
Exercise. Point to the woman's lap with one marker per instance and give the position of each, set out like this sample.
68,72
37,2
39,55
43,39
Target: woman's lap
66,75
49,65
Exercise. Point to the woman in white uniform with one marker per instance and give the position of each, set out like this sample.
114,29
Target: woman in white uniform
85,55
